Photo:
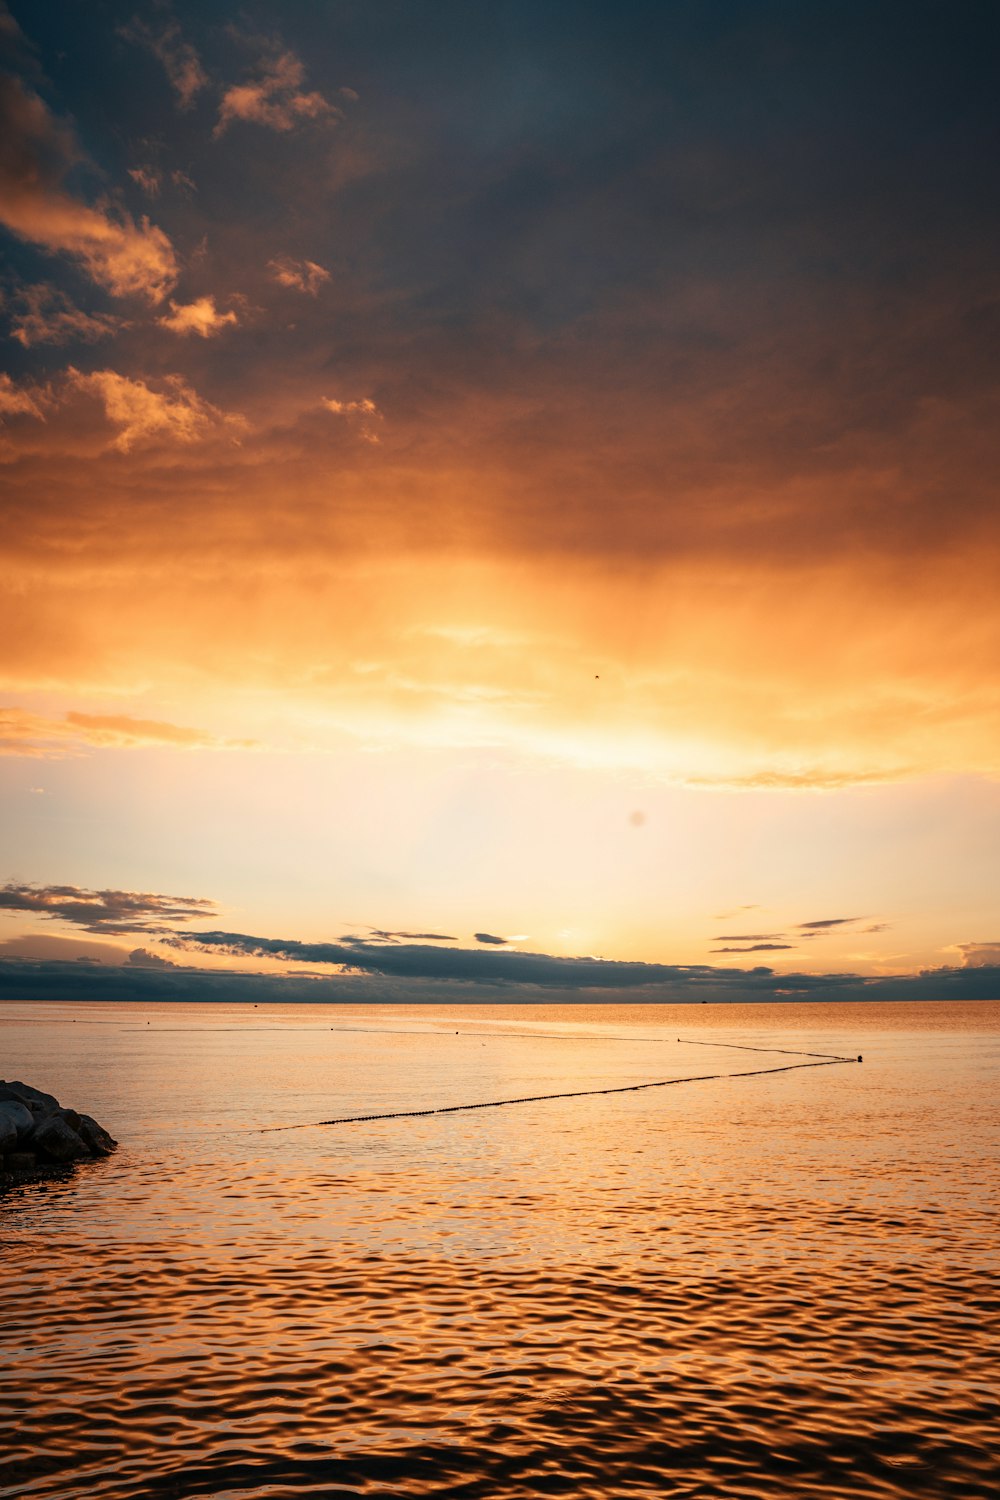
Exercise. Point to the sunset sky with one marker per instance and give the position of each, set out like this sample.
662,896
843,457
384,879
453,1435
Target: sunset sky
500,496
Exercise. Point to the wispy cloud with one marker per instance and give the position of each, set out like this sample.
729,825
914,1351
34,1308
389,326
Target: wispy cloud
21,400
823,924
105,911
364,412
181,62
201,317
383,935
815,778
148,179
40,738
123,731
43,314
300,275
761,942
756,948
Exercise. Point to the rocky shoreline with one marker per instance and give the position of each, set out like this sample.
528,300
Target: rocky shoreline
37,1133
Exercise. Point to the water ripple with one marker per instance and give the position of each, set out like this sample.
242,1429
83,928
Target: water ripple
784,1291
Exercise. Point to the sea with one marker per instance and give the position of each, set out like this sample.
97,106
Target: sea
742,1282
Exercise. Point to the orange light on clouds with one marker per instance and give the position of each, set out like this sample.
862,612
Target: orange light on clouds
538,569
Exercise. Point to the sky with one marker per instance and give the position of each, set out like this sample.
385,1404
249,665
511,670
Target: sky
500,499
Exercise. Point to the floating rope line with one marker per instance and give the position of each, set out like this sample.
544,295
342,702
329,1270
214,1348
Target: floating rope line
628,1088
742,1047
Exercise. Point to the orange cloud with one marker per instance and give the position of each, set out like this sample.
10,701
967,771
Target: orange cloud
123,731
34,735
45,315
275,98
201,317
28,734
365,410
124,257
980,955
20,400
177,414
301,275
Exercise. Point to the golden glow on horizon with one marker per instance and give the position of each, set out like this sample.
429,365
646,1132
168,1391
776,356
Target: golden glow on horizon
681,674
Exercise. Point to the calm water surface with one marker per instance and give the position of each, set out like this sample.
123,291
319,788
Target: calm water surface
780,1285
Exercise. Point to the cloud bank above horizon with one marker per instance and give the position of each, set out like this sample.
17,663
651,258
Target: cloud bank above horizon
413,962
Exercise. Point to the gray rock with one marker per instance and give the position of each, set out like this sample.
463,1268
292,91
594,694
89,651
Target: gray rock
36,1131
95,1137
17,1114
33,1098
54,1139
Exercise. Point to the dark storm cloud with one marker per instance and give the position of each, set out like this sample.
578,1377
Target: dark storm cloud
772,221
489,937
105,912
476,965
26,980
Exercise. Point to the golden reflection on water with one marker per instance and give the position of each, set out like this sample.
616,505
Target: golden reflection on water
780,1285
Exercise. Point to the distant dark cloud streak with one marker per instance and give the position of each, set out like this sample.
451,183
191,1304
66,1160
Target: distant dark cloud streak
803,932
416,937
748,937
756,948
134,982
